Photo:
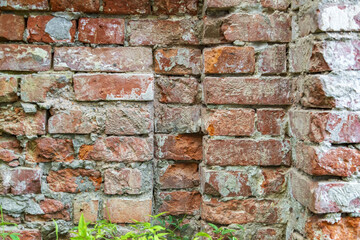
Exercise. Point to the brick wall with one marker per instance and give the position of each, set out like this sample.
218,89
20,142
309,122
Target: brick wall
231,112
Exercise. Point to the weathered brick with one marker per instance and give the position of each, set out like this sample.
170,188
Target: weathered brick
129,120
248,91
175,7
21,181
305,56
275,4
178,61
229,122
10,149
274,27
79,120
273,60
48,149
241,211
118,149
232,152
28,234
268,233
320,228
8,88
15,121
17,25
213,33
95,87
126,210
53,209
326,160
335,127
180,202
270,121
325,196
88,6
24,5
226,59
179,175
50,29
102,30
178,147
225,183
243,183
332,90
140,7
185,119
329,17
40,87
223,3
177,90
32,58
74,180
122,181
88,207
105,59
164,32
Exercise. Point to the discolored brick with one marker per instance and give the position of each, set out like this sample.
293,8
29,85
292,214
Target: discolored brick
179,175
175,7
88,6
8,88
17,24
180,202
140,7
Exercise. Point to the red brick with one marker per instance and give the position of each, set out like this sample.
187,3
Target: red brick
125,211
179,147
178,61
118,149
325,196
229,122
175,7
88,6
227,59
25,57
232,152
213,33
273,60
122,181
74,180
129,120
223,3
180,202
248,91
87,207
8,88
275,4
79,120
325,160
50,150
184,119
179,175
225,183
95,87
334,127
164,32
22,181
346,228
140,7
29,234
16,122
275,27
270,121
17,25
39,87
177,90
24,5
241,211
274,181
102,30
10,149
53,209
50,29
315,92
105,59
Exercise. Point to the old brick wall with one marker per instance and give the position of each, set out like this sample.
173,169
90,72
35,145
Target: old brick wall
231,112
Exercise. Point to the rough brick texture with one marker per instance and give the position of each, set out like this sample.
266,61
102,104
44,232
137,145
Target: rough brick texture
223,111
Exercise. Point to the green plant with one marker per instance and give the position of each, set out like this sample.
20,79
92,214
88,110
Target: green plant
56,229
4,235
